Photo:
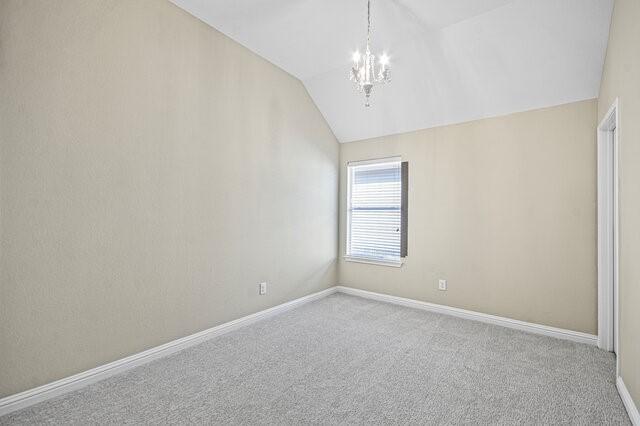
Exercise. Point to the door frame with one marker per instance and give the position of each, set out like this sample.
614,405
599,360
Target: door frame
608,229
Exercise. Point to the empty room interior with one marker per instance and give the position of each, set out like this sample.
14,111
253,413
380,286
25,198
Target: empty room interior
320,212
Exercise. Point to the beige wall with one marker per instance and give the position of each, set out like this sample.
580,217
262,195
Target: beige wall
504,209
622,80
153,172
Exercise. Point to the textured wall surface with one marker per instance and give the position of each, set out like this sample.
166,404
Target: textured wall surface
504,209
622,80
152,173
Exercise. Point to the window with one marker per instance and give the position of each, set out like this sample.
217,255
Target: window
376,210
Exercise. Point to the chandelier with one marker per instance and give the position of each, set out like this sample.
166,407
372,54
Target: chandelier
365,72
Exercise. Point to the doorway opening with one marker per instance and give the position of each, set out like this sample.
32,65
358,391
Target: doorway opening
608,230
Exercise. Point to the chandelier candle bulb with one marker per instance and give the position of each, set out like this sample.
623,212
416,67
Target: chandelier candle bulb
363,73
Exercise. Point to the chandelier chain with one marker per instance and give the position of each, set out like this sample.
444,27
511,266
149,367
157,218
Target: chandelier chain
368,22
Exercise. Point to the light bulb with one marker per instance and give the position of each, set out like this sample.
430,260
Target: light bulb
356,56
384,59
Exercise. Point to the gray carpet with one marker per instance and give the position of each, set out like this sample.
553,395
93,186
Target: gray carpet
347,360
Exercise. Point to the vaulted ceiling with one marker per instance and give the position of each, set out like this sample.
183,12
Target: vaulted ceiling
452,60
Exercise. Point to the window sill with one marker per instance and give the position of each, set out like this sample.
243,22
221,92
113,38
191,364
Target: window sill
390,263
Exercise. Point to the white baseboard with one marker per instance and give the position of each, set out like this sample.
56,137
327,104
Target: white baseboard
545,330
51,390
632,410
59,387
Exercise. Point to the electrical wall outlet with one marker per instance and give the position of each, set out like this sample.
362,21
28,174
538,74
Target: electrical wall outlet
442,285
263,288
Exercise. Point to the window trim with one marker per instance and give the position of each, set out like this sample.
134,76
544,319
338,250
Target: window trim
372,261
359,259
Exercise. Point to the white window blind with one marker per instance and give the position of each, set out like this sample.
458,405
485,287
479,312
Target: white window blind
374,210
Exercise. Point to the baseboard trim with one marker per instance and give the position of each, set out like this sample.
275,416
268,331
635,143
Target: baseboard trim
59,387
632,410
559,333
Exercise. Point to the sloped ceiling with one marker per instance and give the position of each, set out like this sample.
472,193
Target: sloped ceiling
452,60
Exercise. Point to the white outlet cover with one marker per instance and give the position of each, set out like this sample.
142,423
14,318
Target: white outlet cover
442,284
263,288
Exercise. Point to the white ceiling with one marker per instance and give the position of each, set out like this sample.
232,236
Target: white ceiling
452,60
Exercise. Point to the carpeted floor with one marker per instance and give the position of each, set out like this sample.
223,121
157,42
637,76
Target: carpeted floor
346,360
